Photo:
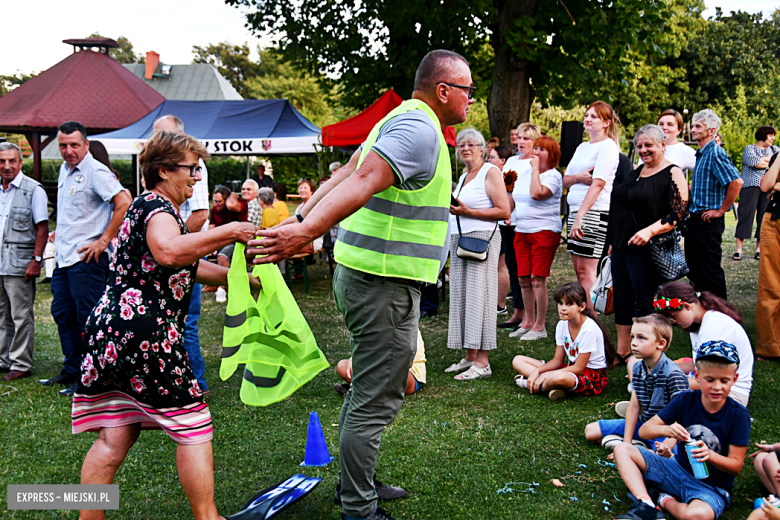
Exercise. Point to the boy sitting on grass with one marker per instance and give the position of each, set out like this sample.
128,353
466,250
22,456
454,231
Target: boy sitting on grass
657,380
718,425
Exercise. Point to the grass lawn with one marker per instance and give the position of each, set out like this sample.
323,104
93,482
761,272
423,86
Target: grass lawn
453,446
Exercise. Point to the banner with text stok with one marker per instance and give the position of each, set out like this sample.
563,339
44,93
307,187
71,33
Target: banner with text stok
63,496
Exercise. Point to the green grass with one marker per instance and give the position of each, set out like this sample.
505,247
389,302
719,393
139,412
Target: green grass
452,446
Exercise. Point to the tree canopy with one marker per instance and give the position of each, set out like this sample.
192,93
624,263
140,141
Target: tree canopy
124,53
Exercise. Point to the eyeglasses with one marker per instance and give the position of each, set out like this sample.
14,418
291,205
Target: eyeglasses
194,168
469,146
470,89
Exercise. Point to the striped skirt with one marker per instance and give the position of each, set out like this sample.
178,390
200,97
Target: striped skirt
474,296
594,234
189,424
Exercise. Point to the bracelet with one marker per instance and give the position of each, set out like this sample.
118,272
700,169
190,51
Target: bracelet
299,217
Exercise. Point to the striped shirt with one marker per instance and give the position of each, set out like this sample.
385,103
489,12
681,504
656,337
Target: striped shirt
711,177
656,389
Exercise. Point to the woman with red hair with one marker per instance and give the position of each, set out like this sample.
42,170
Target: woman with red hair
589,179
536,200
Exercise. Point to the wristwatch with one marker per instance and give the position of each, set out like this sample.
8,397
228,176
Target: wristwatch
37,258
299,216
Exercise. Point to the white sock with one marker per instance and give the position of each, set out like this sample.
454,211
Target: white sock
648,502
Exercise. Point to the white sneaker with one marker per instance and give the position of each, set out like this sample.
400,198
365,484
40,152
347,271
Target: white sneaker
621,408
521,381
221,295
610,441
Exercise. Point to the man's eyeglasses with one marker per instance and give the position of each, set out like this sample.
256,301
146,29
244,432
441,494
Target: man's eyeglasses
470,89
194,168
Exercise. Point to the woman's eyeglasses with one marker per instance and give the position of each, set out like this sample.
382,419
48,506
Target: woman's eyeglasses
194,168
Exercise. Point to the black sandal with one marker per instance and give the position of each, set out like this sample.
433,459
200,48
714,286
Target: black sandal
737,256
621,360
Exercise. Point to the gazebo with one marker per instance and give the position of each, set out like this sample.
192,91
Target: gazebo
88,86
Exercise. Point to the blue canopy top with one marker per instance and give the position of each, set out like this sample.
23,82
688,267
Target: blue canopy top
250,126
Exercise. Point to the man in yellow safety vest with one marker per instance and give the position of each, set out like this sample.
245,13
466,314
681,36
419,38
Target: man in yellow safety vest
392,200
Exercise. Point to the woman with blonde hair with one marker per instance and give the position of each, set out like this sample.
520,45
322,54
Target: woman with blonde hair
589,179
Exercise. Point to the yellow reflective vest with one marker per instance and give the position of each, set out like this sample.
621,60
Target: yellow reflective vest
400,233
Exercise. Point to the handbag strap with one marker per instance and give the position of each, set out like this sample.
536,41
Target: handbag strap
457,217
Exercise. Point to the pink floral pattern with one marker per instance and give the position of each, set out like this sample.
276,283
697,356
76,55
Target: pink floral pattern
135,332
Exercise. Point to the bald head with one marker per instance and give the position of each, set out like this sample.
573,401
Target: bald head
168,123
438,65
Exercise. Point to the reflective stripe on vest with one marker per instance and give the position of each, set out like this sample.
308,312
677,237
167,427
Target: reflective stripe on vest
269,335
400,233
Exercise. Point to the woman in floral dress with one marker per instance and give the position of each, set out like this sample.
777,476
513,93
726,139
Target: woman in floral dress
135,375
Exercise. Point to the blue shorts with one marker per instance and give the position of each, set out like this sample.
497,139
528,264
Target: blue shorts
417,385
618,427
671,478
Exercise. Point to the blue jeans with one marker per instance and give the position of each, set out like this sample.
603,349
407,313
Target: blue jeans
668,476
75,291
192,340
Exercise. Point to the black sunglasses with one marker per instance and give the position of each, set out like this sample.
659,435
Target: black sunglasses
470,89
195,168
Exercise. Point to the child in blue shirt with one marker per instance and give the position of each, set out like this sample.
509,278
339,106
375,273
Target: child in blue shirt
721,429
657,380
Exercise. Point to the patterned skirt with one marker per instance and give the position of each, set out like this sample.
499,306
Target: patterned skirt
474,296
189,424
594,229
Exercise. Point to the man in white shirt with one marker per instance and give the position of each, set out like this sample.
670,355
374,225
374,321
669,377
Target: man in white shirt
194,212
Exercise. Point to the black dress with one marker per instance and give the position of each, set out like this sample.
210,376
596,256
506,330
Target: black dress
136,369
635,204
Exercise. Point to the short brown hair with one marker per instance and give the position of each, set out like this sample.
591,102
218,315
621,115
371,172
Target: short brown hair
308,181
553,150
661,326
165,150
675,114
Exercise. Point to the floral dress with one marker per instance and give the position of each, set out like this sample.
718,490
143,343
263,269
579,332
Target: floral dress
135,334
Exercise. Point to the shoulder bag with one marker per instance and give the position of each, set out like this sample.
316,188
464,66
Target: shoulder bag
472,248
602,294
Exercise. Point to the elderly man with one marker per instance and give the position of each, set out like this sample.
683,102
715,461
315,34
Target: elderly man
249,195
397,185
24,228
91,204
262,180
715,186
194,212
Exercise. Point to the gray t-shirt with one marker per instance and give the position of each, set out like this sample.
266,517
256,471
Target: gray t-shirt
410,144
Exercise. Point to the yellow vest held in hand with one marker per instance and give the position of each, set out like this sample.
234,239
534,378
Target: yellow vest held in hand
269,335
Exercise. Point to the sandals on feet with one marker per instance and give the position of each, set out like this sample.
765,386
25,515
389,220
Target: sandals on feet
463,364
737,256
621,360
474,373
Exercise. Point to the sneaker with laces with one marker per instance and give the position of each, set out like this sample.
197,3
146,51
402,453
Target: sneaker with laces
383,492
521,381
621,408
221,295
642,511
501,310
63,378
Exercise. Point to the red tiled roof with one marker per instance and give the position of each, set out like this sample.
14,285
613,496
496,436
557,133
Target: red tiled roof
88,87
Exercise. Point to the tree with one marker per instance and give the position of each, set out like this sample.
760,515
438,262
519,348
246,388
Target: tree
124,53
8,83
278,79
373,45
232,61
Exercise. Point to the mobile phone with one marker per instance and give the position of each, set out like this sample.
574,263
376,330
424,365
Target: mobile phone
454,201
